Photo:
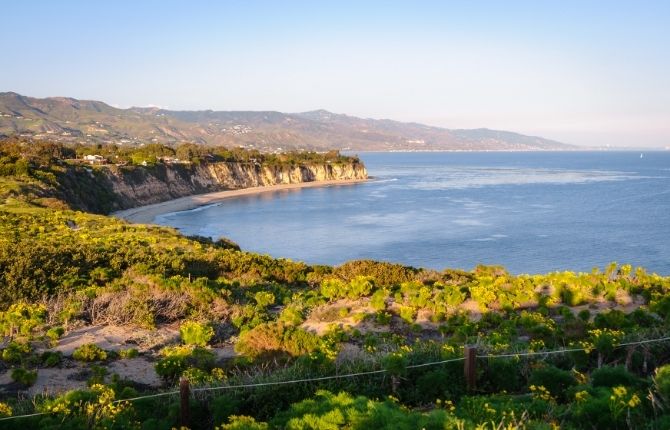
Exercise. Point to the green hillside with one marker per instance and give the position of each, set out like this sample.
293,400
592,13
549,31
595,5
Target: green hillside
115,312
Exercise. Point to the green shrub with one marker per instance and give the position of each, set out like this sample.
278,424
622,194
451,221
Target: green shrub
98,374
612,376
89,352
55,333
225,243
240,422
384,274
128,353
572,295
360,286
24,377
94,408
613,319
291,315
383,318
594,411
378,300
277,338
195,333
503,375
22,318
264,299
51,358
333,288
408,314
556,380
5,410
15,352
662,382
176,360
196,376
170,368
326,410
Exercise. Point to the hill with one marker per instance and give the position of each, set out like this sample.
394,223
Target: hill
100,320
87,121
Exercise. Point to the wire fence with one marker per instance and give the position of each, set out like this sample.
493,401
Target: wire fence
358,374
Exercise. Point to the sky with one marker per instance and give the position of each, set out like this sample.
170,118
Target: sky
583,72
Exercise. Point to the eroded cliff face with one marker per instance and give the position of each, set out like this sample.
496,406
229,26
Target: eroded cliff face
142,186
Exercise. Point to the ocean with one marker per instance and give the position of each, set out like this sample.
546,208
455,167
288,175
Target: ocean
532,212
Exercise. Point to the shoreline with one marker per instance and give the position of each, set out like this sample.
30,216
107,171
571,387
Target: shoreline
147,214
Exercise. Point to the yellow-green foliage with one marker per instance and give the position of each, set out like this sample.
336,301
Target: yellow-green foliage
22,318
89,352
196,333
96,406
23,376
264,299
5,410
662,382
242,422
359,286
15,352
178,359
327,410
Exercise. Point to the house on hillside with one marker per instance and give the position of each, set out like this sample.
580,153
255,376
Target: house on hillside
95,159
171,160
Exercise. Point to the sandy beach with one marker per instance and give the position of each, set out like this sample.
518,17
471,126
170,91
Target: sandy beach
147,214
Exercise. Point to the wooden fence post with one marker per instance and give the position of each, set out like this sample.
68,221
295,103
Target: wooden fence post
629,356
470,367
184,394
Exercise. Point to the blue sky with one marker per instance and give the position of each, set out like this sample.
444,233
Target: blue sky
583,72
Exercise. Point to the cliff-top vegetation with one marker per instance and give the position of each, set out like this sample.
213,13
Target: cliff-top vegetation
58,175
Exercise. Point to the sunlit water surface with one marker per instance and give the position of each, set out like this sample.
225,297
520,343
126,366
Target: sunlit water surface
531,212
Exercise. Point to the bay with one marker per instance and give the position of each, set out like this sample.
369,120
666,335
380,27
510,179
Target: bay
532,212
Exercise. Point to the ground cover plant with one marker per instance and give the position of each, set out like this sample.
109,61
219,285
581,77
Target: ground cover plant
557,350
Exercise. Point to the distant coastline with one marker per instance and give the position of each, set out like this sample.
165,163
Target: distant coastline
148,213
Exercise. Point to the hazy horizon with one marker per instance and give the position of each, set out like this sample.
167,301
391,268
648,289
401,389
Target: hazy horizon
592,74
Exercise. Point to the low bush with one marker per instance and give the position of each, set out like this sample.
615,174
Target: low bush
5,410
195,333
176,360
612,376
662,382
51,358
23,376
275,338
556,380
55,333
89,352
22,319
128,353
15,352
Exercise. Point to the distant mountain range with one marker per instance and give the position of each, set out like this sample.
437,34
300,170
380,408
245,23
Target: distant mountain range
87,121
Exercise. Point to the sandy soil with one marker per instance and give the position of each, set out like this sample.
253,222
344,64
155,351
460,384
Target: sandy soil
137,369
146,214
116,338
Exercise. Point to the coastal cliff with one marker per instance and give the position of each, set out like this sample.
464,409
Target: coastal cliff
134,187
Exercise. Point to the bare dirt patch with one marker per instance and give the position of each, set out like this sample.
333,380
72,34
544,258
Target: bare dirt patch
115,338
138,370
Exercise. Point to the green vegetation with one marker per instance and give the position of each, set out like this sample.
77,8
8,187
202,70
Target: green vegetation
89,352
55,175
195,333
23,376
247,319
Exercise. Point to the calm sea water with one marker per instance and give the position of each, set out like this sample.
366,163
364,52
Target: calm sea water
531,212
